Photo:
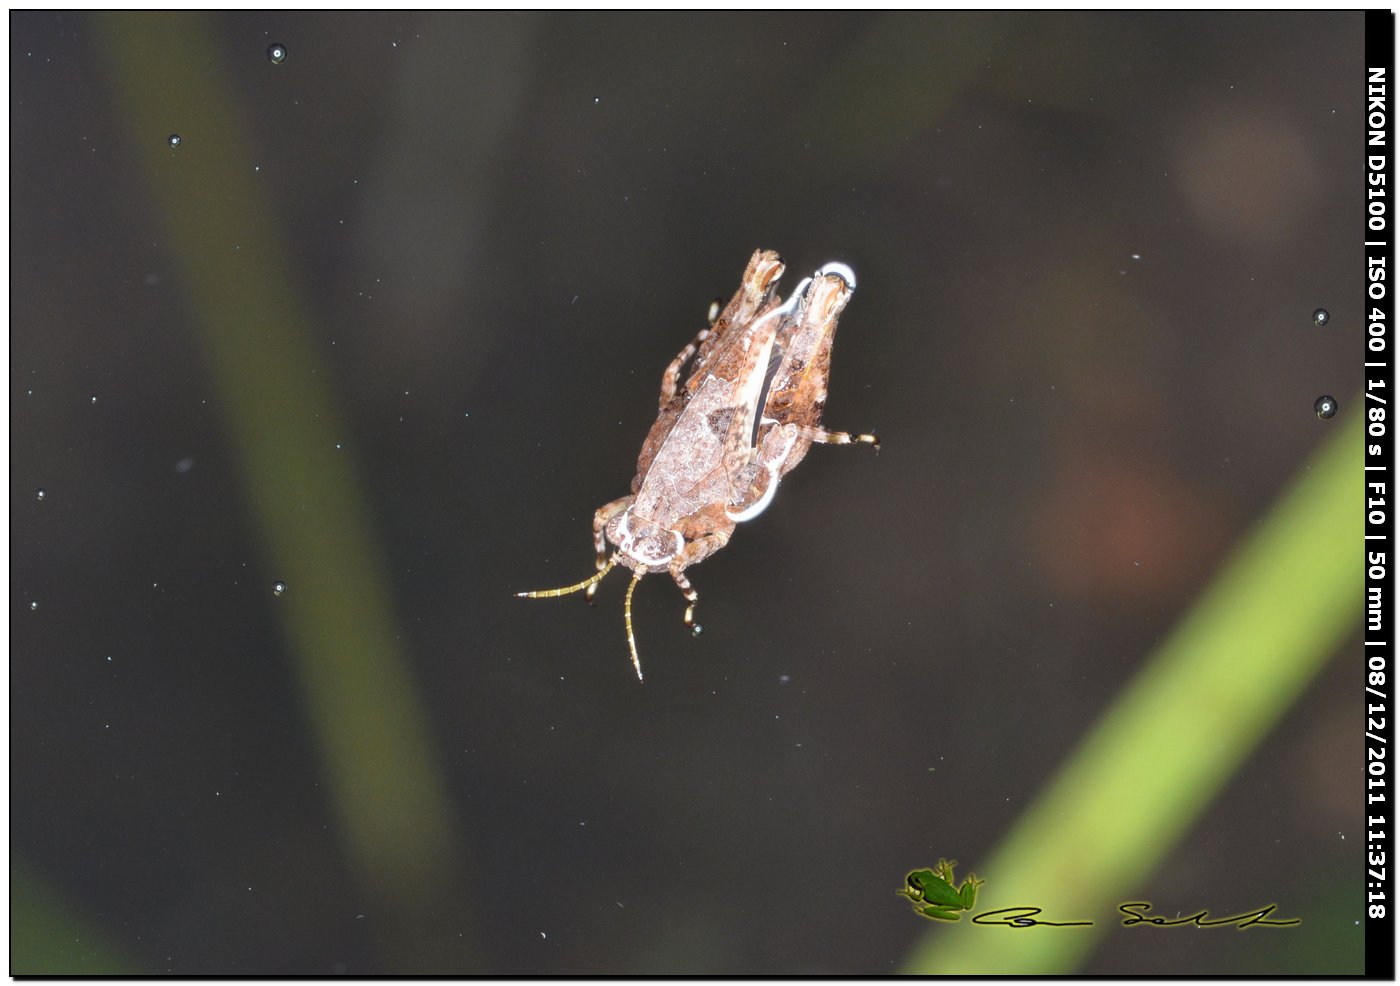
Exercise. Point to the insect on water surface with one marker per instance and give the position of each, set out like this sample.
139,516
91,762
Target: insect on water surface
746,414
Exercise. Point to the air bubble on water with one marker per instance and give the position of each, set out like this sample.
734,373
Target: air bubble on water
40,493
278,588
1325,406
1322,316
92,399
34,605
173,140
276,53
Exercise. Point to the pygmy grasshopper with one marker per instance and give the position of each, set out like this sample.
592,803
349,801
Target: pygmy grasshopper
748,411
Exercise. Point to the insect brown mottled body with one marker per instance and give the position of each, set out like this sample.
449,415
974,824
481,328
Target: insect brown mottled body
748,411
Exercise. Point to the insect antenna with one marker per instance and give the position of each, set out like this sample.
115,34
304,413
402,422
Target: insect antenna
627,619
551,593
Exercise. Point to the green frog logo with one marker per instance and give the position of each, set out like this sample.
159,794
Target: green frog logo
936,895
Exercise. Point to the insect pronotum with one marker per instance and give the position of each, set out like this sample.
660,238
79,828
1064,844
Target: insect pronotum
750,407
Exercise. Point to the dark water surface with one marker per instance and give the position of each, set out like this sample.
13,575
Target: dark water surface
312,393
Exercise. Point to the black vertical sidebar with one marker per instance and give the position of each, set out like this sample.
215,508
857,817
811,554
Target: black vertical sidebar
1379,639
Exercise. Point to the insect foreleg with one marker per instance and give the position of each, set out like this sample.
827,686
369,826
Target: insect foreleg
601,517
695,551
691,596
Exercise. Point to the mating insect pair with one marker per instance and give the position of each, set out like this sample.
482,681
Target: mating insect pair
748,411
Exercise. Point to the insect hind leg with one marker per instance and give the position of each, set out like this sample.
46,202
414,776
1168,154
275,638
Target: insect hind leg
838,437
